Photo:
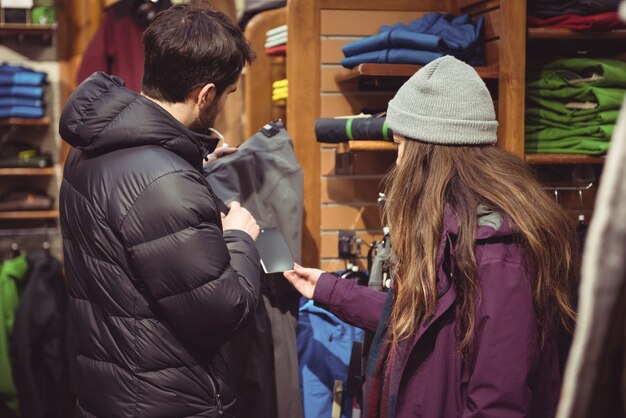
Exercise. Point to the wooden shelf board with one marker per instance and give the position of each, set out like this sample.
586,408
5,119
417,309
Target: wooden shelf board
30,214
561,33
280,103
546,159
26,29
398,70
45,121
369,145
22,171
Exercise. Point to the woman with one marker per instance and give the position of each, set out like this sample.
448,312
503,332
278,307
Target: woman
482,261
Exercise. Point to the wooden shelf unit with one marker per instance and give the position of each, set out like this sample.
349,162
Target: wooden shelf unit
563,159
26,29
568,34
30,214
400,70
45,121
23,171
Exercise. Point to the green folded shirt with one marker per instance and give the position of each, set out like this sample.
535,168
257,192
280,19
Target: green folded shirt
547,117
578,72
545,133
572,145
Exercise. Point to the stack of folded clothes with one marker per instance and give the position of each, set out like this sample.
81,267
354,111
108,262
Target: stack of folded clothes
420,42
21,92
545,9
17,155
276,42
359,127
279,91
577,15
572,105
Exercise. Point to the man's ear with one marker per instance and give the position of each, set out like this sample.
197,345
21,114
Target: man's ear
206,95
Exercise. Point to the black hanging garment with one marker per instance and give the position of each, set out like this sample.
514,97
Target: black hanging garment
38,342
265,177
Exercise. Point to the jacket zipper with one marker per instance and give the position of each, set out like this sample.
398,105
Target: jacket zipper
217,396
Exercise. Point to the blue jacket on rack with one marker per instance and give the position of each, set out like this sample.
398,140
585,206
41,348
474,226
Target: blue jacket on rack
324,349
420,41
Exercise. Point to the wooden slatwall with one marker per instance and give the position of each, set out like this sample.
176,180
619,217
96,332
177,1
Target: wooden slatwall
263,71
336,202
348,202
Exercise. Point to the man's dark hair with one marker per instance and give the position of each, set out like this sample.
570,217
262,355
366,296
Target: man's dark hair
187,47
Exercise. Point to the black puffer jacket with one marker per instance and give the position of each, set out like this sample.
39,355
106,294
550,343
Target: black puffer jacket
156,288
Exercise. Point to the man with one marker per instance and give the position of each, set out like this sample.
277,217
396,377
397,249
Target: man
159,280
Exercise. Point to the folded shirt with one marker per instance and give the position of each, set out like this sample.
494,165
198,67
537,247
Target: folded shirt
598,22
277,30
20,101
551,8
21,112
22,79
276,42
577,71
442,34
547,117
337,130
276,50
282,35
546,133
392,56
559,100
280,83
18,75
571,145
31,92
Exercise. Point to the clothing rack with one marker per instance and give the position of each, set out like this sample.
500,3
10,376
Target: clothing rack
569,188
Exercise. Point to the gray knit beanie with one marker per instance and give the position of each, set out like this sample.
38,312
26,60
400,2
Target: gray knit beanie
445,102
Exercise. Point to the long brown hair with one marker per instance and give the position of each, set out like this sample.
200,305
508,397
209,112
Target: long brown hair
431,176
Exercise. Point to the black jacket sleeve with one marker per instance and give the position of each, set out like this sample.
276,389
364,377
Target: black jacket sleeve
204,282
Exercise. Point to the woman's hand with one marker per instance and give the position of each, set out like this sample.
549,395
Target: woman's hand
303,279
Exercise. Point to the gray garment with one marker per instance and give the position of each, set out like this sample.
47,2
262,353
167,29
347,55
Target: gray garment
265,177
595,377
380,264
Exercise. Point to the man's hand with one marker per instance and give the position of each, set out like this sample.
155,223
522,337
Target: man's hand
303,279
218,153
239,218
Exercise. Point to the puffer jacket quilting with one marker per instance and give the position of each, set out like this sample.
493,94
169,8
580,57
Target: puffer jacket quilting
156,287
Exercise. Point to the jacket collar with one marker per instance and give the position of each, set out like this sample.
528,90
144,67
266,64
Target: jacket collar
102,116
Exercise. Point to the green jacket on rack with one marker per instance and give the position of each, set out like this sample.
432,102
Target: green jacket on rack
11,271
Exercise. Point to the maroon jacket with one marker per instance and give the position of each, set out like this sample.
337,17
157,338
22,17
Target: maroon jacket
506,372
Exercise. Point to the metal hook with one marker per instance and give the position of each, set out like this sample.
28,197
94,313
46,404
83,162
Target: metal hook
556,195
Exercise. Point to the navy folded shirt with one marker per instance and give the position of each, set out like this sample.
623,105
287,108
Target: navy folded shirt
420,41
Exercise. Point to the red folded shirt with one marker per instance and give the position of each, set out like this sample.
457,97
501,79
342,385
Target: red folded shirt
277,50
597,22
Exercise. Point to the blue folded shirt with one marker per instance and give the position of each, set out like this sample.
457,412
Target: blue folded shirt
392,56
17,75
20,101
21,112
31,92
445,34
